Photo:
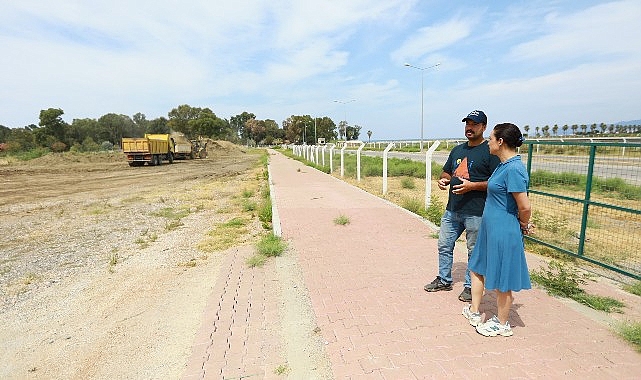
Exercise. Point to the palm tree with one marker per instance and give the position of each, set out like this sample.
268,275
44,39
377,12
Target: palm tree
527,130
565,129
555,129
369,135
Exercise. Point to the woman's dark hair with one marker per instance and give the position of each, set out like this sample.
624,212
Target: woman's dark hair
510,133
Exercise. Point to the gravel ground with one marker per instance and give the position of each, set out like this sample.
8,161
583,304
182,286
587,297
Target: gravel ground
103,273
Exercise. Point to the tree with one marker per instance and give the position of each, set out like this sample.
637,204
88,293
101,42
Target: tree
52,126
256,130
546,131
574,128
158,125
352,132
237,124
565,129
555,129
140,122
325,128
294,128
115,127
342,129
369,135
527,129
180,117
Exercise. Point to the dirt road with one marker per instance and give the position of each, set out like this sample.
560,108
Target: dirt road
101,274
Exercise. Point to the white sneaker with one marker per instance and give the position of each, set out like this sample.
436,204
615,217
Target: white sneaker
493,327
474,318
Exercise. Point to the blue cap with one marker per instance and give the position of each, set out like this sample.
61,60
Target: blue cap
476,116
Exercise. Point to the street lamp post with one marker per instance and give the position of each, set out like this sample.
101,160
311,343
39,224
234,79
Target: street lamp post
422,70
345,109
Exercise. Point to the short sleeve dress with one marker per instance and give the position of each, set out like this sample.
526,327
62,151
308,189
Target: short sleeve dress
499,253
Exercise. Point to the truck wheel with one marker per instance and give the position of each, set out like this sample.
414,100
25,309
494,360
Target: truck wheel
158,160
170,157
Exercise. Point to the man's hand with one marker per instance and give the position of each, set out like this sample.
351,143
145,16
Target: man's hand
443,183
463,188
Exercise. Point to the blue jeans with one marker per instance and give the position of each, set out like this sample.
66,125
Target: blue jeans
452,226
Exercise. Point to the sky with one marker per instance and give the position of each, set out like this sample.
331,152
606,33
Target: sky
535,62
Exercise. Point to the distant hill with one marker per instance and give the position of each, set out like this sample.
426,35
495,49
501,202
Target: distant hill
630,122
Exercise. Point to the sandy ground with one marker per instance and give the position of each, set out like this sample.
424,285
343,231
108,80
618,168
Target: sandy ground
97,282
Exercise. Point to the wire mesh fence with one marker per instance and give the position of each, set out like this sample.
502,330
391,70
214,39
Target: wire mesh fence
586,199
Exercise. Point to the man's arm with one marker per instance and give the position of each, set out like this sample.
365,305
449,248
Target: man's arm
467,186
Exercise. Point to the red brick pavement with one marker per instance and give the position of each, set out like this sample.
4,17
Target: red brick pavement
365,281
366,278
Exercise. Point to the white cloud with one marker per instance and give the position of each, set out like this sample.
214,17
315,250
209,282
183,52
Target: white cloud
602,30
431,39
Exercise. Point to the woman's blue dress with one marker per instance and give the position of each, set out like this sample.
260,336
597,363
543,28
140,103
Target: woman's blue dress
499,253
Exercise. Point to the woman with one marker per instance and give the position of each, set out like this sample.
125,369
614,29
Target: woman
498,260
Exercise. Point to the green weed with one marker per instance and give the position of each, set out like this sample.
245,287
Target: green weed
634,288
341,220
562,280
408,183
271,245
631,332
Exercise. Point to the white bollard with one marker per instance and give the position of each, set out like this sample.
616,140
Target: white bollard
385,167
428,173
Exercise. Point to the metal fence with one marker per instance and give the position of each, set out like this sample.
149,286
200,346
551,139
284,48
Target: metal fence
586,201
585,195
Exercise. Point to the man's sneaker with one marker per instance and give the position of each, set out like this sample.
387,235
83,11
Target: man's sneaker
472,317
493,327
466,295
437,285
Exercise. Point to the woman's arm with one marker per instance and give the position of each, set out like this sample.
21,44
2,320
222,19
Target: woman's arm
525,212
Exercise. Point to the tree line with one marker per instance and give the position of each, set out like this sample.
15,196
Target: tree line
105,133
583,129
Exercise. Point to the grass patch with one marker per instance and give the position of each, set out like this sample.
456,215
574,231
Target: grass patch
225,235
247,193
631,333
408,183
435,211
172,225
248,205
256,260
562,280
341,220
634,288
265,214
281,369
271,245
172,213
414,205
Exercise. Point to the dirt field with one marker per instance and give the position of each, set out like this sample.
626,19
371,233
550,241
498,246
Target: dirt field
98,276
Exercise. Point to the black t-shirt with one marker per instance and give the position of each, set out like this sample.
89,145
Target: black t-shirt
475,164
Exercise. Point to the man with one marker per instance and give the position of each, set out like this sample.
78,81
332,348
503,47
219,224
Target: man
466,171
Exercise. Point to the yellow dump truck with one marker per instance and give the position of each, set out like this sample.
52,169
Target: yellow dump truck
183,148
152,149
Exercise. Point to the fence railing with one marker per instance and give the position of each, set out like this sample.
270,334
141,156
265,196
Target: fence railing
586,198
586,201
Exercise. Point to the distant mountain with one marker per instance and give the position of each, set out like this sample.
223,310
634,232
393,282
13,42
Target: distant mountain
630,122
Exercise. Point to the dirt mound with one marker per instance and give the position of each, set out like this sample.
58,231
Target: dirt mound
74,157
222,146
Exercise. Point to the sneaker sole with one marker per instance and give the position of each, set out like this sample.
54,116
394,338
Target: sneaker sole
431,290
472,322
492,334
468,300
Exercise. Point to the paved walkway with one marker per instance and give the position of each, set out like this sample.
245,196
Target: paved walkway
365,280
